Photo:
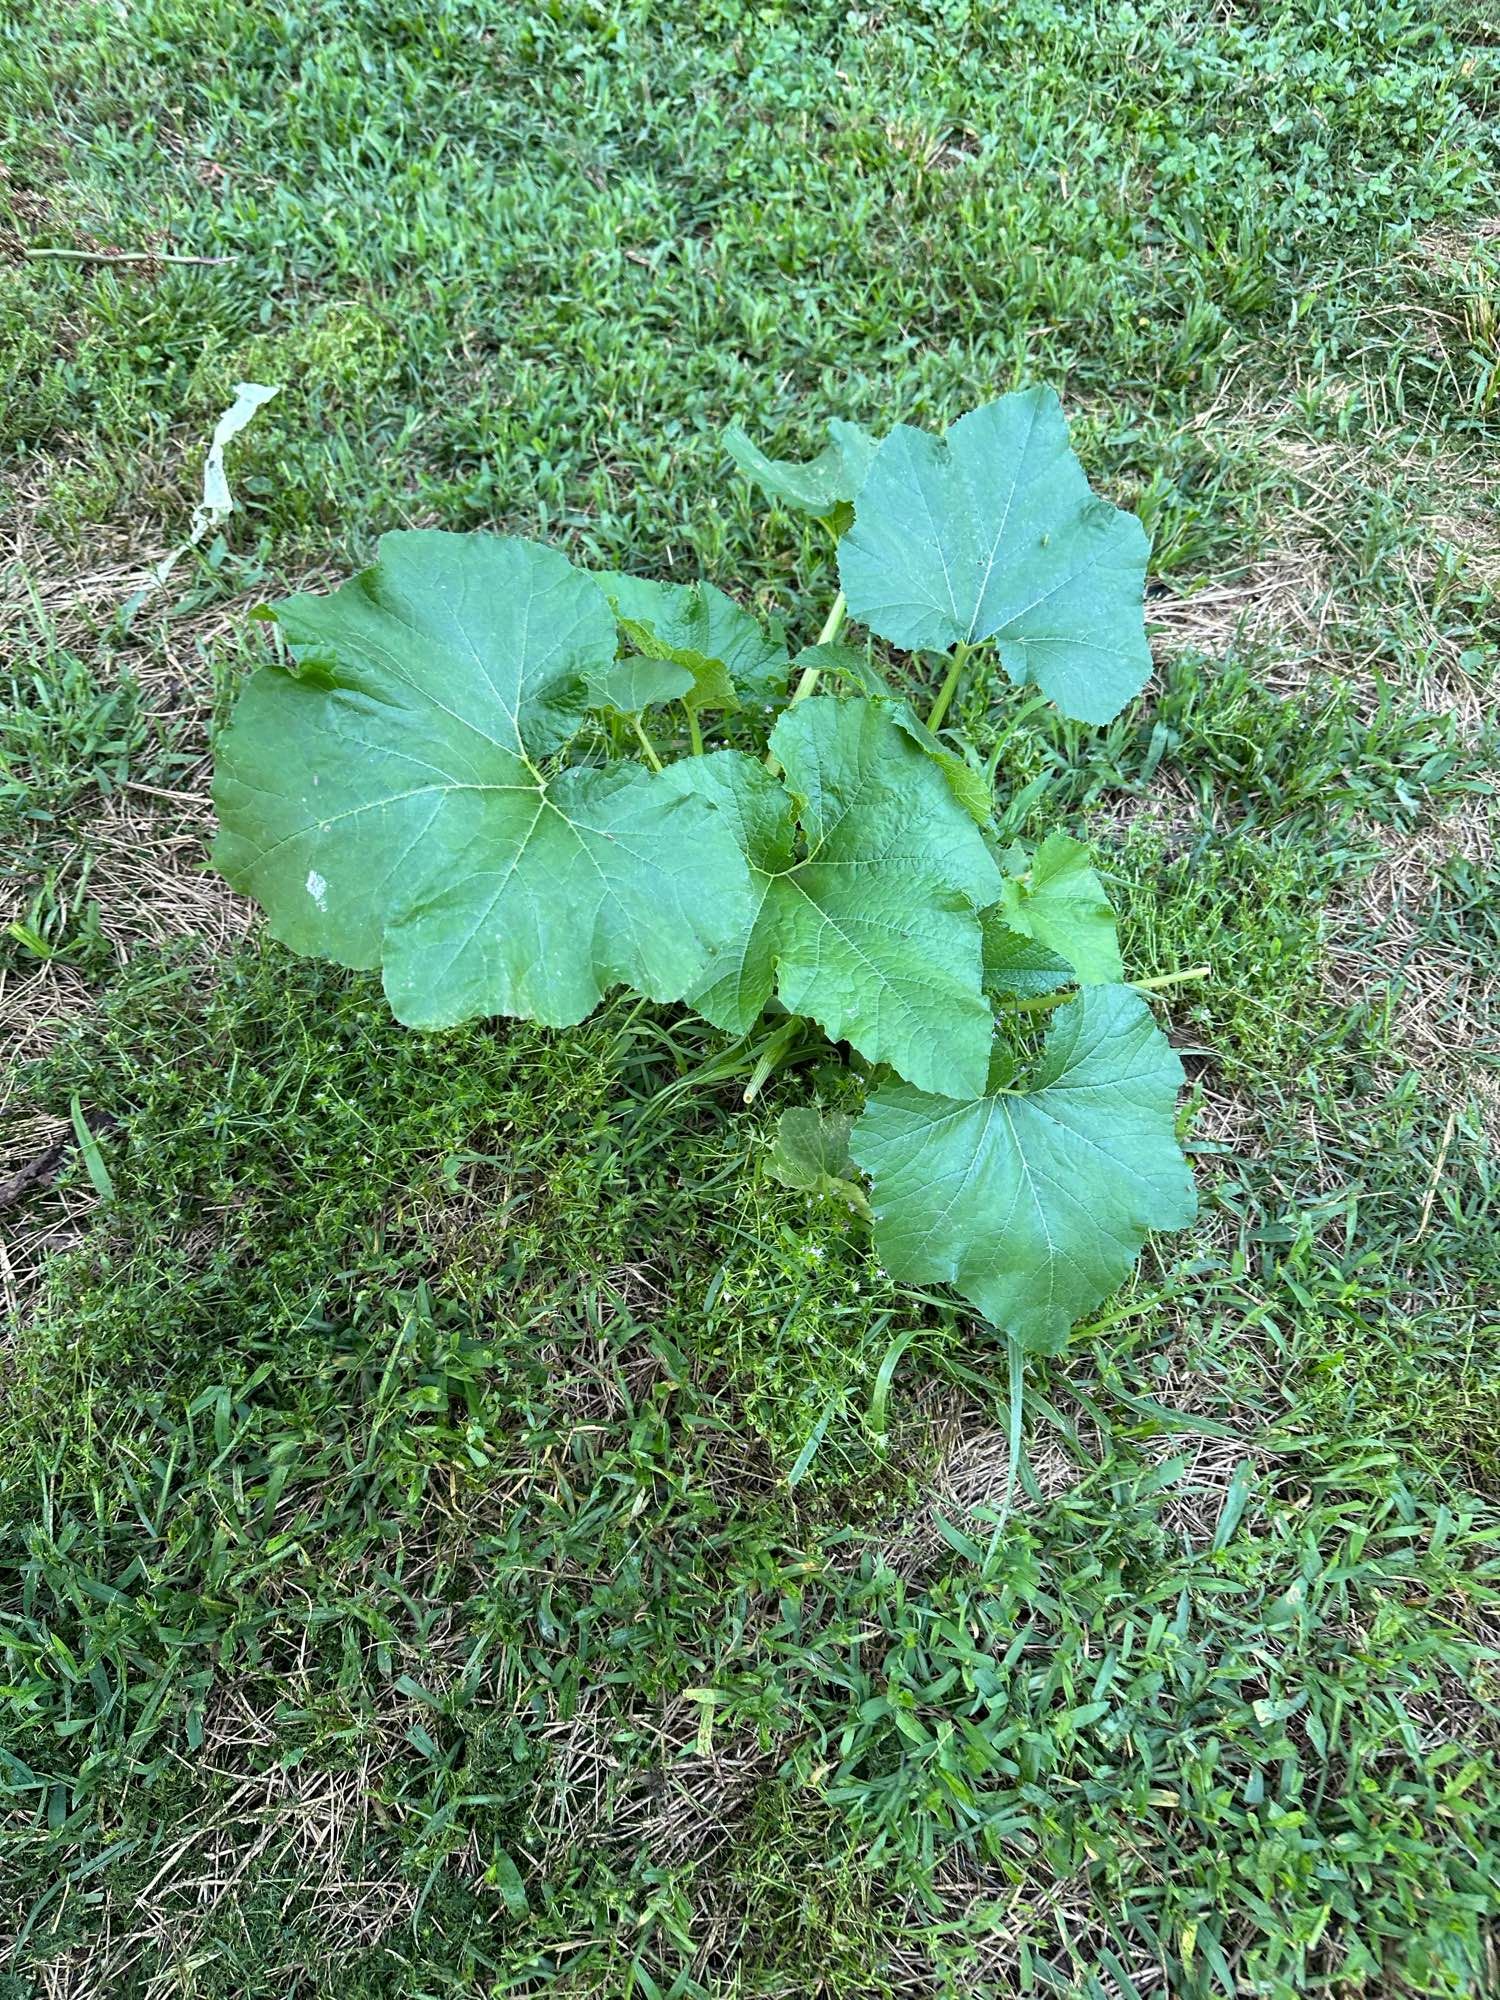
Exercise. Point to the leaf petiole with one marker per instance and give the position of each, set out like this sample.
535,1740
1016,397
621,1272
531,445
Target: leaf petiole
832,626
1165,979
646,744
695,730
939,708
1041,1003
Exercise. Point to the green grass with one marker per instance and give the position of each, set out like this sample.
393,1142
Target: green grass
464,1528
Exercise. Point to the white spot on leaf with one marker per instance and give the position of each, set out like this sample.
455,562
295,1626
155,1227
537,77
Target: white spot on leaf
317,888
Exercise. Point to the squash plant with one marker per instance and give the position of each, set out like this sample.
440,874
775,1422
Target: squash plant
454,769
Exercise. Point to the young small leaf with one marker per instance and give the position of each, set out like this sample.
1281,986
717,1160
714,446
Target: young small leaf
821,486
99,1175
850,664
811,1155
811,1147
1059,901
992,532
384,799
967,785
1034,1202
698,630
639,681
874,933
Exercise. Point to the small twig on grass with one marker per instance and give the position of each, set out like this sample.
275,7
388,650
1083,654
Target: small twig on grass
1436,1177
1040,1003
33,1173
115,256
40,1169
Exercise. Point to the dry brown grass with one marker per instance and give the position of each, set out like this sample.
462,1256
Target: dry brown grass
1284,601
33,1009
688,1808
995,1914
300,1829
1448,244
685,1808
969,1475
967,1480
1384,950
151,878
32,1234
77,587
1225,1122
1303,602
141,853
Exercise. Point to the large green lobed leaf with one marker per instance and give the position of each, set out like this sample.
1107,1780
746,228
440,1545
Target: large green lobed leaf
992,532
849,663
387,796
823,486
872,930
1034,1202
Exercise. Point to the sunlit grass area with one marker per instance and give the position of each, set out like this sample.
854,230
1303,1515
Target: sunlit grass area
465,1529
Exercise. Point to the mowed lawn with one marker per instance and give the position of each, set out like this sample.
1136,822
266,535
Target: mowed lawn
464,1528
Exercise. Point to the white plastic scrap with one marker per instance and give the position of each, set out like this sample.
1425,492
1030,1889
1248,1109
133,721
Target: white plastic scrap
217,503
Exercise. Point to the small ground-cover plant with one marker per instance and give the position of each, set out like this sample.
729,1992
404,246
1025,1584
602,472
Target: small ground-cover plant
448,772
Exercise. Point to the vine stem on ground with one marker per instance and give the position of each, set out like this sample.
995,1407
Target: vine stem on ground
1039,1003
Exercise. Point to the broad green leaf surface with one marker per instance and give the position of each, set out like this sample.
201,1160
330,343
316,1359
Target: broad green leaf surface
850,663
741,975
639,681
387,799
967,785
1034,1202
992,532
810,1146
823,485
1019,965
1059,901
699,630
872,932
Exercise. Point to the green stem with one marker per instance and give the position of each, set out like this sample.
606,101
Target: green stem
695,732
1041,1002
1165,979
939,708
116,256
833,624
1017,1412
646,744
